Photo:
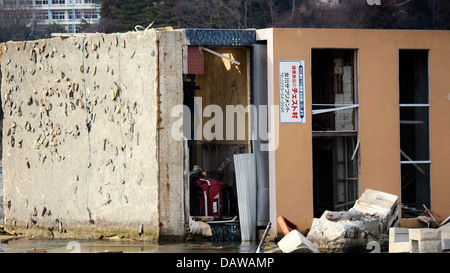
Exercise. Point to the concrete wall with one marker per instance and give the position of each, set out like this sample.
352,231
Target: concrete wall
291,164
60,178
173,187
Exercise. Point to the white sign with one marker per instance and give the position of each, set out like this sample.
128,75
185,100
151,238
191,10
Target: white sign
292,91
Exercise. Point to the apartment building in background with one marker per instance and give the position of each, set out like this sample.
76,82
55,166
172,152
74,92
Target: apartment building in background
69,13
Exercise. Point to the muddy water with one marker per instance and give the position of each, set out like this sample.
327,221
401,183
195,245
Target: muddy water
97,246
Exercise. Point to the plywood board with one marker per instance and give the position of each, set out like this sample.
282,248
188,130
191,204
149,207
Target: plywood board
224,83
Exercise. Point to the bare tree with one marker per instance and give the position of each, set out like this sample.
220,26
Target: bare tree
16,21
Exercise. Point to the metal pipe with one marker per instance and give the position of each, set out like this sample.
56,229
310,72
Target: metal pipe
218,54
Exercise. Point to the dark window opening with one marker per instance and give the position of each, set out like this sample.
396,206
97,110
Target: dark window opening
414,132
335,130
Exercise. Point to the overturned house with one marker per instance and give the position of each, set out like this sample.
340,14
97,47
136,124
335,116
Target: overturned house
102,132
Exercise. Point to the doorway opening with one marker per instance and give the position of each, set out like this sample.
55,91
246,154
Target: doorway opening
335,129
217,77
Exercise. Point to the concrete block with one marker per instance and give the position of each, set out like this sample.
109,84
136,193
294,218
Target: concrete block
399,240
445,240
378,203
424,240
425,234
295,242
338,231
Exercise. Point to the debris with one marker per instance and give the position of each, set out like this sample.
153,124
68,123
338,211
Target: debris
344,233
245,169
286,225
428,233
380,204
369,219
199,228
205,228
445,222
295,242
411,223
260,248
436,218
430,223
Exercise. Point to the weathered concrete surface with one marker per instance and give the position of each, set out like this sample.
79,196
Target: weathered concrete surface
399,240
173,179
378,203
368,220
425,240
330,234
62,179
445,237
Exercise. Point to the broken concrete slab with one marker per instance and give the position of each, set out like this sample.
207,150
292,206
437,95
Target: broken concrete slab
378,203
369,219
295,242
343,233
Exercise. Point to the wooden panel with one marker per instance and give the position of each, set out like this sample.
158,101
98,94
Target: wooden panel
224,83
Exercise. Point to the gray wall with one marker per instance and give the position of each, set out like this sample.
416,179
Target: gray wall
57,175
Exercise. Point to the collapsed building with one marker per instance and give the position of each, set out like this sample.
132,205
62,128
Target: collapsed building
102,132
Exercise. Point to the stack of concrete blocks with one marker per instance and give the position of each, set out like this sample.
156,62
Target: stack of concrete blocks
295,242
366,221
419,240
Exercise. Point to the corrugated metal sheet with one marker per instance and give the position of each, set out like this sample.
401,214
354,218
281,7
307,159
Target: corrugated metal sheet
245,166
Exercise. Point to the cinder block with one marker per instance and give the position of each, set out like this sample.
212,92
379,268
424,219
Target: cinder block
425,234
430,246
424,240
399,240
445,240
295,242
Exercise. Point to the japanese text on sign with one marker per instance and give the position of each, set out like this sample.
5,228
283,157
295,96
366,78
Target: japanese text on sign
292,91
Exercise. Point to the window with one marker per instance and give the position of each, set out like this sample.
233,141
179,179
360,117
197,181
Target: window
77,14
414,132
58,2
41,2
90,14
42,15
58,15
89,1
77,29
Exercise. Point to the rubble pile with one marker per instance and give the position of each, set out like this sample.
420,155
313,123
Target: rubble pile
368,220
372,222
428,233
